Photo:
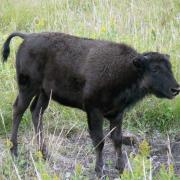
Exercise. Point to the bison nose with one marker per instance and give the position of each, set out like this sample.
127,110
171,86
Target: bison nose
175,91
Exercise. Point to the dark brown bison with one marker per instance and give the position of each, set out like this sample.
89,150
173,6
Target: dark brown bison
100,77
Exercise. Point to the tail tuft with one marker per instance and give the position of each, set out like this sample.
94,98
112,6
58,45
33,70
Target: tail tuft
5,51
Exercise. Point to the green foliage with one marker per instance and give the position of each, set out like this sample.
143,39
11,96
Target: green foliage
25,167
140,167
140,163
166,174
155,114
144,148
78,172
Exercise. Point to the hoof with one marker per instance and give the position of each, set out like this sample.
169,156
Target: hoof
99,171
120,163
45,154
14,152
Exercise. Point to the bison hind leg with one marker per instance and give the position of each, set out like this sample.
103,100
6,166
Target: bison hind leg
23,80
37,108
20,105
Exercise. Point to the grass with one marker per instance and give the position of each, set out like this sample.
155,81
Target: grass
146,25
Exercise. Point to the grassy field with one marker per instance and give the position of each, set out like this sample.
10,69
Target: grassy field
146,25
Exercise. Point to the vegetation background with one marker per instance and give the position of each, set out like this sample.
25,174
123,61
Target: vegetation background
152,25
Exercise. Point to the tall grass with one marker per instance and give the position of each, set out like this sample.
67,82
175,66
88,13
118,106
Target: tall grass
145,25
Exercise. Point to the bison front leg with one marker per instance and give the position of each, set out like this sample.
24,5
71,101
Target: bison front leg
95,123
116,135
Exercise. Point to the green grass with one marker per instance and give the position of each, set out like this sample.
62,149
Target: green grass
145,25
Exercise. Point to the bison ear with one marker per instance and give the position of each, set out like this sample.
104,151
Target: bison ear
139,62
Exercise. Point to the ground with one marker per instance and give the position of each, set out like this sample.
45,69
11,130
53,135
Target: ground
72,151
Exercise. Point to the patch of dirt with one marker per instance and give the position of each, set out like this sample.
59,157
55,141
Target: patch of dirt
78,150
165,151
66,151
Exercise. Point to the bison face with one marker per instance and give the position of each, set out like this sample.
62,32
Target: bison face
158,76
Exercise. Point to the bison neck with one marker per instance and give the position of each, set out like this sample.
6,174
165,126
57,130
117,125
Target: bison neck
126,98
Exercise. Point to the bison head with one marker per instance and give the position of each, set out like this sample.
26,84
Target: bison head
158,76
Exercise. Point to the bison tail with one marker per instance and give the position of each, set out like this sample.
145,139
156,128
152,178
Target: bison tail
6,48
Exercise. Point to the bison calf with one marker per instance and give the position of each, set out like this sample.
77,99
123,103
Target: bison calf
100,77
